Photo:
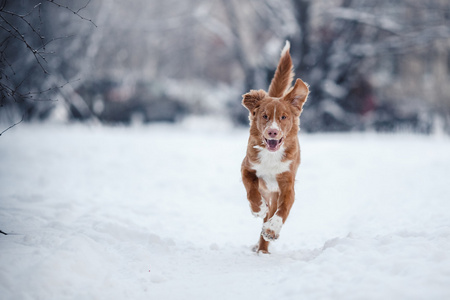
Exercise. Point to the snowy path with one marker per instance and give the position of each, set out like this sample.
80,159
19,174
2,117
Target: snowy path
160,212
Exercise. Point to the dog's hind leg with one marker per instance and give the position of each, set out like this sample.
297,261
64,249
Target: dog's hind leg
262,246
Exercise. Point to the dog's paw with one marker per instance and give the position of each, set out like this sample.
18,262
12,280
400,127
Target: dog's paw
263,209
259,251
271,229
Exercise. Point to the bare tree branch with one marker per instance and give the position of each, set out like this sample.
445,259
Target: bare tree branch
21,120
75,12
24,53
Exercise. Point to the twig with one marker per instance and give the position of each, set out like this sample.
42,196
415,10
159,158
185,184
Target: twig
3,232
23,116
75,12
15,33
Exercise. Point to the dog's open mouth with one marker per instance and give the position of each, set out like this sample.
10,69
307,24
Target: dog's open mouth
273,145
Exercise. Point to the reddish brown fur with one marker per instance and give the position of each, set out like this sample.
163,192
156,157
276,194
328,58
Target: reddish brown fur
283,75
280,109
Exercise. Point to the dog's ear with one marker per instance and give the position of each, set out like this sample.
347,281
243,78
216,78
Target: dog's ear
251,100
297,95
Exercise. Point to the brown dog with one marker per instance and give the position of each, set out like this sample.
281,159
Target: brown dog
273,151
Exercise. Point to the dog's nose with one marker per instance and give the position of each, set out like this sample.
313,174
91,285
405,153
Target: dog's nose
272,132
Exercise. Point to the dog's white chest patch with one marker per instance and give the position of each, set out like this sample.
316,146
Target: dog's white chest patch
270,166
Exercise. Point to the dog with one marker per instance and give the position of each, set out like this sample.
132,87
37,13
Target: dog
273,151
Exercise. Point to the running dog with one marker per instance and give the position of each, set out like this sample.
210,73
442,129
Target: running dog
273,152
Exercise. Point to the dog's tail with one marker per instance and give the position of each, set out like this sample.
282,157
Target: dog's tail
283,75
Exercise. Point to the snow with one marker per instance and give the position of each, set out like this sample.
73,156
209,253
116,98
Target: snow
159,212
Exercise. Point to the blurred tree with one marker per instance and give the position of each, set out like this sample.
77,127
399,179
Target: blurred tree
370,64
343,47
32,64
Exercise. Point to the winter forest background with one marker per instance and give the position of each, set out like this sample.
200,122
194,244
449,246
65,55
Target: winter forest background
93,211
372,65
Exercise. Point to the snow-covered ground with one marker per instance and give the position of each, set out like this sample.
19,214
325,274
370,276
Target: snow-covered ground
159,212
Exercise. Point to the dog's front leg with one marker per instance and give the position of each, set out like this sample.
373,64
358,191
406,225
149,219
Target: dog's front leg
257,204
271,229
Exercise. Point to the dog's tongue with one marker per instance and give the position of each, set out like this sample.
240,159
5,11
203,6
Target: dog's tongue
272,144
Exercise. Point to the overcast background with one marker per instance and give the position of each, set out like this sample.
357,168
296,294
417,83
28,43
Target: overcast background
372,65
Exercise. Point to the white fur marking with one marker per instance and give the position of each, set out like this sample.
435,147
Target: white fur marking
263,210
286,48
274,123
274,224
271,165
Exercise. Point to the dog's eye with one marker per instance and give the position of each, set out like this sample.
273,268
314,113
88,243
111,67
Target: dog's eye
283,117
265,117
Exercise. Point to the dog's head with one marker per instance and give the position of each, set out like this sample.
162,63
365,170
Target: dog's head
275,117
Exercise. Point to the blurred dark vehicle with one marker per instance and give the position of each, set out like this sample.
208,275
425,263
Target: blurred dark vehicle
142,102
